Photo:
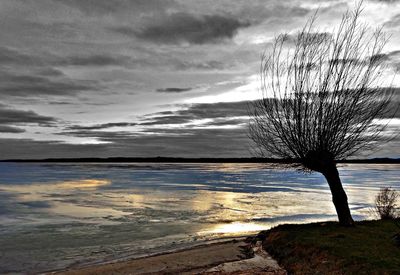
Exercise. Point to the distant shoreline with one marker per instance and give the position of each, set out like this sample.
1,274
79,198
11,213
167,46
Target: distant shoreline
195,160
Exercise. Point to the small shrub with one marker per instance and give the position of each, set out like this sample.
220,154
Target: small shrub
386,203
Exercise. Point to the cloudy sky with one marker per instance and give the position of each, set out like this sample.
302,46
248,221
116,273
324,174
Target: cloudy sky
99,78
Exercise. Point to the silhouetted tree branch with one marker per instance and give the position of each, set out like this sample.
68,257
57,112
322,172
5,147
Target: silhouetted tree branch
321,99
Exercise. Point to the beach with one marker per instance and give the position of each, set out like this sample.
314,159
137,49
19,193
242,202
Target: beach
239,256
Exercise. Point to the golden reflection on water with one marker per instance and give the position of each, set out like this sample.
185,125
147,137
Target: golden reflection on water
43,193
235,167
36,192
78,211
49,187
202,201
219,212
88,183
236,228
205,200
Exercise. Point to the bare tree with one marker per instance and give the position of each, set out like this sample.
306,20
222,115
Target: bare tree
321,98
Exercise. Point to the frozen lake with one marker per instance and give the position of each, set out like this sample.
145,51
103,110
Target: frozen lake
54,215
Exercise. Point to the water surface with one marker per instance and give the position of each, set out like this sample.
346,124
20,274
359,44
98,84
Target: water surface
54,215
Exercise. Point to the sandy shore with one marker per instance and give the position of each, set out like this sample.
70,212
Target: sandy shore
226,257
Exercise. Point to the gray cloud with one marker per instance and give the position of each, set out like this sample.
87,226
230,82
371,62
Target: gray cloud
203,65
388,56
228,121
50,46
221,113
173,90
9,56
394,21
393,109
12,116
172,119
200,111
391,58
157,139
102,126
196,142
183,27
105,7
10,129
95,60
28,149
51,72
386,1
174,142
22,85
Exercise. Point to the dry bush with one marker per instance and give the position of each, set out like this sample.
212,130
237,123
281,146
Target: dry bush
386,203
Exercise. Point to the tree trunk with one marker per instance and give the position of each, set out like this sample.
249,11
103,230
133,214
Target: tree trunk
339,196
324,162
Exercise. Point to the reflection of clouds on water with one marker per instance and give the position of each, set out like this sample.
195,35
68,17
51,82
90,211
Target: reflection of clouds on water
139,208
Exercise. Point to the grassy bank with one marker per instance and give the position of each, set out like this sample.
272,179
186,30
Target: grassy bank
327,248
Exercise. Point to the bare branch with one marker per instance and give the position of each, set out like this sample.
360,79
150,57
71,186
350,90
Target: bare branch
321,92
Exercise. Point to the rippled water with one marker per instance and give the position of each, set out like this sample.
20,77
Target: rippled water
57,215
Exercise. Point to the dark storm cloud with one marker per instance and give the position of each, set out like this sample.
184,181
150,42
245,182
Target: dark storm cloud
391,58
220,121
61,103
105,7
393,109
388,56
43,79
196,142
200,111
22,85
173,90
183,27
9,56
13,116
50,65
95,60
10,129
51,72
226,113
157,132
10,117
173,142
222,114
28,149
203,65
